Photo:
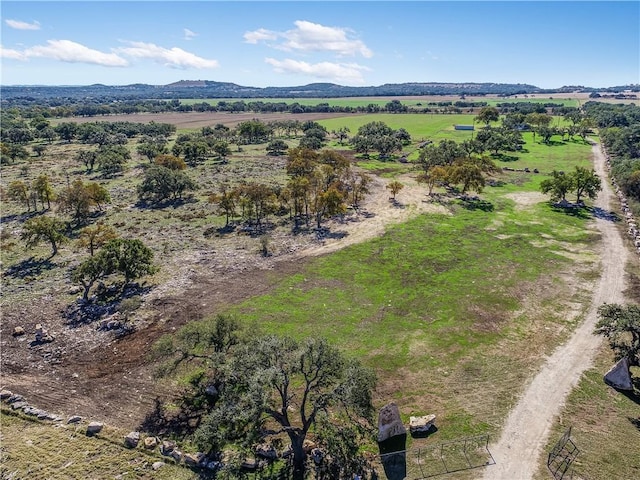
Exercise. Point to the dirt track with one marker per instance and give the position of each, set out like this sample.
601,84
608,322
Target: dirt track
527,428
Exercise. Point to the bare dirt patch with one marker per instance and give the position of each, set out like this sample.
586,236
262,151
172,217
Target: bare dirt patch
197,120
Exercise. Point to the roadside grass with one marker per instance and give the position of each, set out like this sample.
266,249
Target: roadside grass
440,305
605,426
43,451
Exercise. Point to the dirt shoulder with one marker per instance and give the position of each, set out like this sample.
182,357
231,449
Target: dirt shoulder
527,428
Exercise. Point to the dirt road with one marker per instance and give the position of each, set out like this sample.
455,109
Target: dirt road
527,428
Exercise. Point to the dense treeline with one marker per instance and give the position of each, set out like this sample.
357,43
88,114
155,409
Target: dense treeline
620,132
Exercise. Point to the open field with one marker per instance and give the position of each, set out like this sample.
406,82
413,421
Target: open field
454,304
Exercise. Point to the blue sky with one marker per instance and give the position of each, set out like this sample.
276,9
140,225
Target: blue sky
287,43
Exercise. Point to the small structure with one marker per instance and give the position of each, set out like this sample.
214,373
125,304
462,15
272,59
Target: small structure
464,127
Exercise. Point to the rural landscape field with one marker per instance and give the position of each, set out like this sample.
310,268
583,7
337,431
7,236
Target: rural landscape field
364,276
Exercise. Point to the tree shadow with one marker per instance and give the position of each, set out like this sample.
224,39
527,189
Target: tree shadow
30,267
179,423
503,157
572,210
176,203
610,216
475,203
20,217
635,422
104,303
397,204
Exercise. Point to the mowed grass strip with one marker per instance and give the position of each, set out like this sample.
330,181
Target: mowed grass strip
34,450
452,311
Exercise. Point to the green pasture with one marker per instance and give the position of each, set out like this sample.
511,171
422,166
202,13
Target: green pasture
420,126
430,305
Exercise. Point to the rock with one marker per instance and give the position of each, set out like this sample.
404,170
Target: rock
193,459
32,411
317,455
619,376
42,336
74,419
308,445
211,390
15,398
390,423
94,428
19,405
213,465
5,394
158,465
132,440
421,424
266,451
75,289
250,464
150,442
177,455
167,447
18,331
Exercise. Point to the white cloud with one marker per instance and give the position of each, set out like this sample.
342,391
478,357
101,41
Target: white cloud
188,34
174,57
260,35
67,51
18,25
339,72
313,37
12,54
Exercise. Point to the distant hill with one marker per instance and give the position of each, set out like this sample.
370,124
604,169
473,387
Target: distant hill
212,89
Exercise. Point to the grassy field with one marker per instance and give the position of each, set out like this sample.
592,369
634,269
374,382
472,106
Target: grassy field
35,450
454,311
426,101
605,426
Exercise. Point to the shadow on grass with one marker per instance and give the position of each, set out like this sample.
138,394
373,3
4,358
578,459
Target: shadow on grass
146,205
503,157
572,210
20,217
178,422
29,268
393,457
475,203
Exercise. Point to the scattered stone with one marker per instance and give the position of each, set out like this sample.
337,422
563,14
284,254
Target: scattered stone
421,424
317,456
389,422
158,465
5,394
193,459
266,451
132,440
167,447
250,464
32,411
150,442
177,455
42,336
211,390
19,405
74,419
94,427
75,289
619,376
18,331
213,465
15,398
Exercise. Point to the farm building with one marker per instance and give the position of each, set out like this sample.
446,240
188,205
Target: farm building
464,127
